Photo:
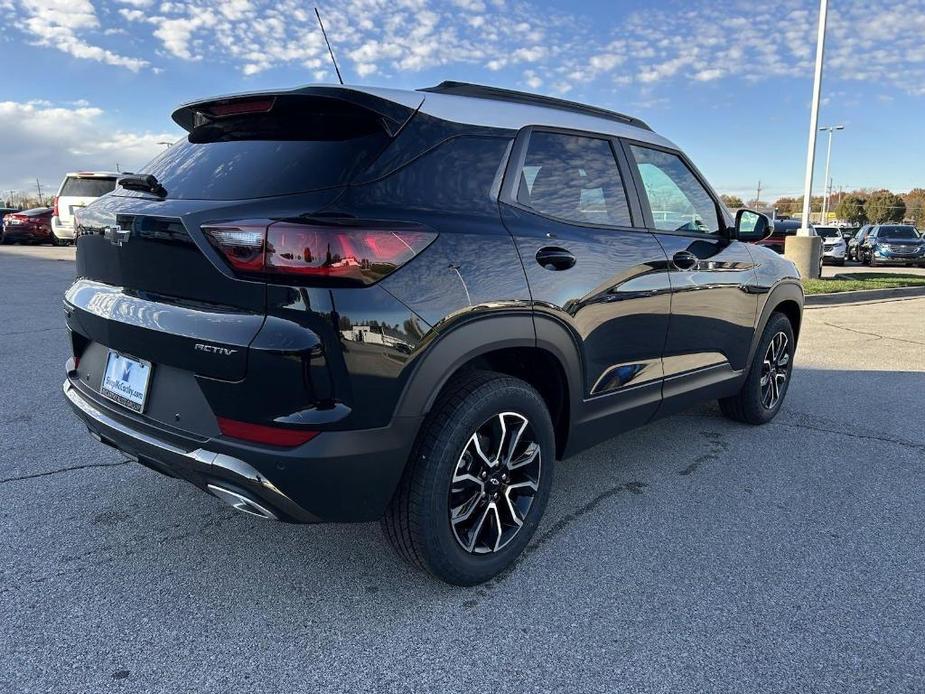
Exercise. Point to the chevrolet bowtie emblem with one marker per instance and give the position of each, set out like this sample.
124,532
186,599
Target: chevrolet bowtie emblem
116,235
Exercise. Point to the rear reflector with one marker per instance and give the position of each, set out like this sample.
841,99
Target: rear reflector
356,254
259,433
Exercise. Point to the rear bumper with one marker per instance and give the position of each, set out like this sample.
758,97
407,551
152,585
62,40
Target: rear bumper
62,231
343,476
16,232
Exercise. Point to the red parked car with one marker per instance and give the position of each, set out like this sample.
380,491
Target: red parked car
30,226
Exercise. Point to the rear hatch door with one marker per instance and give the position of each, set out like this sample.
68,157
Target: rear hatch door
149,281
80,190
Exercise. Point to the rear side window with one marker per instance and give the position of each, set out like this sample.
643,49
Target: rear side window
456,176
573,178
301,144
87,187
677,199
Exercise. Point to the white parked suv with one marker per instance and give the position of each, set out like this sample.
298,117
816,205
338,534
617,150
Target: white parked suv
77,190
834,246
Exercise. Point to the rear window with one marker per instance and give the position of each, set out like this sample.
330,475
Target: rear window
87,187
301,144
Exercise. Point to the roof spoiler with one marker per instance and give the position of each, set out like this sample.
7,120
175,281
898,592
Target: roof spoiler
394,115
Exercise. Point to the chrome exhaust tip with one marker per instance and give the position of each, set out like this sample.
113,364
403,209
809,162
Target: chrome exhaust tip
242,503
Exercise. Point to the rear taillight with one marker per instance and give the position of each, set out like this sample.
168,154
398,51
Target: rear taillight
355,254
260,433
54,206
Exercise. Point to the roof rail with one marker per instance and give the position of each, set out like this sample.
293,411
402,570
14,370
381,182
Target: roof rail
481,91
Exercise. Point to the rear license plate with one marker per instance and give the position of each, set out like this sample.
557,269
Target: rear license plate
125,381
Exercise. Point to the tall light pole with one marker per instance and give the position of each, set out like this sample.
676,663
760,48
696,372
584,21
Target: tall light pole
828,156
804,249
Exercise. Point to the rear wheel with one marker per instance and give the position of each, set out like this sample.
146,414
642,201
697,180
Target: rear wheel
761,396
55,241
477,484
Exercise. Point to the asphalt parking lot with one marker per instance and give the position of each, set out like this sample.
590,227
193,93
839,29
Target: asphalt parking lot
691,555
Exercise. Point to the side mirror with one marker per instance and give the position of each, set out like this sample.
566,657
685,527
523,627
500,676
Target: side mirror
752,226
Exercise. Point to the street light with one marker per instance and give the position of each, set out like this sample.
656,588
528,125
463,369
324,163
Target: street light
828,155
167,145
804,249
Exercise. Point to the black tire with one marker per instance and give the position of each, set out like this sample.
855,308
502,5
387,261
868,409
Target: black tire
4,240
418,523
749,404
871,260
55,241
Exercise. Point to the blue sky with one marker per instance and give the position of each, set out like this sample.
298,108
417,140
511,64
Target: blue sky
91,83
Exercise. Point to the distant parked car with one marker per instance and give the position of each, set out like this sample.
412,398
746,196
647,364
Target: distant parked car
77,190
782,228
33,226
855,243
893,244
834,247
848,233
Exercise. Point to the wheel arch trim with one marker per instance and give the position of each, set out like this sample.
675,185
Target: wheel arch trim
481,335
784,291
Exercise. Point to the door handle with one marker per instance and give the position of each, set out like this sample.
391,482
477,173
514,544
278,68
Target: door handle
555,258
684,260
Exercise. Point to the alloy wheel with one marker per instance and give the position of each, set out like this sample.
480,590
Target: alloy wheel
774,370
494,483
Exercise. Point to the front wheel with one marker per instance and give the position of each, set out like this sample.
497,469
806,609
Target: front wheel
761,396
478,480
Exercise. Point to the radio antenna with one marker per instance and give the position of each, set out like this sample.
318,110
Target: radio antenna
325,34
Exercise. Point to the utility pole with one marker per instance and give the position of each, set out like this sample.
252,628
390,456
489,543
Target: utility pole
828,156
39,187
758,195
804,249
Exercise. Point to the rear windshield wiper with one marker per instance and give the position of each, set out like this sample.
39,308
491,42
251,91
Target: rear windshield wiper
147,183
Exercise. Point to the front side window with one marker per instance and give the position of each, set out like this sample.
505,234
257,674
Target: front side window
573,178
677,199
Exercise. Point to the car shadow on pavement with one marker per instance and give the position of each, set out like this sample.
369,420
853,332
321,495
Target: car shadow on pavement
163,526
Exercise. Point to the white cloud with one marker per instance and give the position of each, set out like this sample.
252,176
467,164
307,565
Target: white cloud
532,79
698,41
57,23
47,140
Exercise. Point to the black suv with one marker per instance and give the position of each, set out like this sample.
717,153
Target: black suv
352,304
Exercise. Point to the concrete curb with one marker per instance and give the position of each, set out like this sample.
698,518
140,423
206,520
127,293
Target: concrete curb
863,295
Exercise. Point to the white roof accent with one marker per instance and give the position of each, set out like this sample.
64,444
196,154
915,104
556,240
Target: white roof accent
93,174
496,113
